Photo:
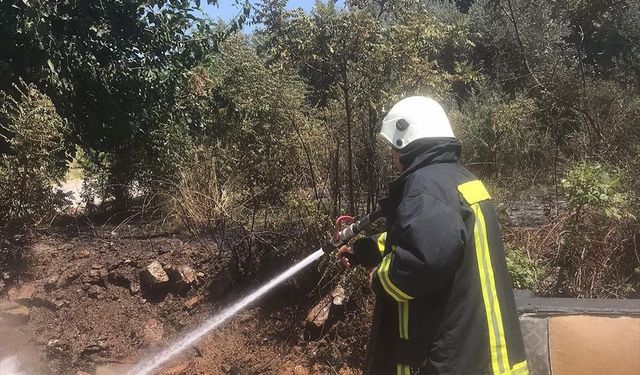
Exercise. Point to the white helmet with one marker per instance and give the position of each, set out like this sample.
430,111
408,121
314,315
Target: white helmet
415,117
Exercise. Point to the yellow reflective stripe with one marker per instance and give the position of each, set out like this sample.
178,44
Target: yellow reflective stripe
474,191
382,238
520,369
499,357
403,320
383,276
389,287
402,370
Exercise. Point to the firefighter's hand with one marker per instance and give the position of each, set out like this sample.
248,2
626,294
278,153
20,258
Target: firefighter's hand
341,255
371,273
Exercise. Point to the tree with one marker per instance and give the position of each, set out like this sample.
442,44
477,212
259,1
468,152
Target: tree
113,69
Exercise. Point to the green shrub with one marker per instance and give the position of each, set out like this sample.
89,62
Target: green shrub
33,161
526,273
596,185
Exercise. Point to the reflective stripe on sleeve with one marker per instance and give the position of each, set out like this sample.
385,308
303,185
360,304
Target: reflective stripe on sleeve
403,320
385,280
520,369
382,238
402,370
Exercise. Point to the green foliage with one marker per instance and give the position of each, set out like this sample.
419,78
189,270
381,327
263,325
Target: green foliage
33,161
525,272
502,135
595,185
114,70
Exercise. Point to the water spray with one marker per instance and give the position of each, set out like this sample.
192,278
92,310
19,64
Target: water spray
345,229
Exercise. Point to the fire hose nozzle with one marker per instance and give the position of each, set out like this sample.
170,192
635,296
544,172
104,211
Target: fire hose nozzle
342,235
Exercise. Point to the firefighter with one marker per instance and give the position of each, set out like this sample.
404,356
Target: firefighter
444,300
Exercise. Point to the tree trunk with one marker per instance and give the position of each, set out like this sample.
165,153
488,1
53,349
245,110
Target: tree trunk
348,112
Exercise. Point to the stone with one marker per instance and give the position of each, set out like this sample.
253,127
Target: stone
134,288
326,312
319,314
154,275
67,278
193,302
51,282
339,296
183,277
152,333
95,291
21,294
92,277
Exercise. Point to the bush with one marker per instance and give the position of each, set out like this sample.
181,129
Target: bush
525,272
596,252
500,134
594,185
33,161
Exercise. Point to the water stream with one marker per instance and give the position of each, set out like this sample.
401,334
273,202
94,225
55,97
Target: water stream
149,365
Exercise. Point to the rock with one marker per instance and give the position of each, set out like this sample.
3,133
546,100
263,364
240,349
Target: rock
51,282
152,333
339,296
193,302
154,275
21,294
92,277
183,277
326,312
134,288
67,278
95,291
319,314
14,313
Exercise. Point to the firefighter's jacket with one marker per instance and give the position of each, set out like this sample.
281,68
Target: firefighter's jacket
444,303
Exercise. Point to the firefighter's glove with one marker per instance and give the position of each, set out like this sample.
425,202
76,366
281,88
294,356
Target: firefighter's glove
366,252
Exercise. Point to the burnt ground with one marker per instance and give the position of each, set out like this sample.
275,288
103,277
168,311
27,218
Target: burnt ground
75,303
76,306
